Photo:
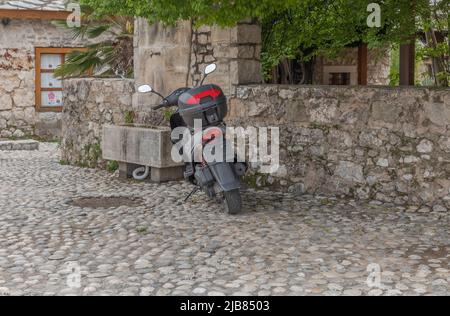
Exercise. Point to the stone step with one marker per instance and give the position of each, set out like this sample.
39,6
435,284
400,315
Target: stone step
19,145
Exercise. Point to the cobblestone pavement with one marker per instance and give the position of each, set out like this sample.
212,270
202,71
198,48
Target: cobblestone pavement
281,245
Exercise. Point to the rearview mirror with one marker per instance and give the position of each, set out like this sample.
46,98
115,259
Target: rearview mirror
145,88
210,69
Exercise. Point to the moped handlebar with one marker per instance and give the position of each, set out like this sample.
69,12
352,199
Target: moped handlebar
172,99
159,106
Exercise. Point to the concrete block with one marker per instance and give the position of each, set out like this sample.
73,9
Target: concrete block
134,146
138,145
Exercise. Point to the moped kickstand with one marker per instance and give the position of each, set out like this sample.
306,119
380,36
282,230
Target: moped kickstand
191,194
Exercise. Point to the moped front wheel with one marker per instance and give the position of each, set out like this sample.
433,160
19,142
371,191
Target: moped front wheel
233,202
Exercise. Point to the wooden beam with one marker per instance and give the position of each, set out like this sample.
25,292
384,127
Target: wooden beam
362,65
407,64
33,14
38,71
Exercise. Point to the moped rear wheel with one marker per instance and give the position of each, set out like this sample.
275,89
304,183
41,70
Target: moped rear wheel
233,202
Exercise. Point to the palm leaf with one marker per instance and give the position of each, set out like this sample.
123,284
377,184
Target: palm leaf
97,30
105,58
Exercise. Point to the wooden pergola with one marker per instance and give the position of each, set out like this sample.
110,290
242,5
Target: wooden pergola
407,64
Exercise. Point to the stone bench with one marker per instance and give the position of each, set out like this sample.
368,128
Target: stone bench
19,145
135,146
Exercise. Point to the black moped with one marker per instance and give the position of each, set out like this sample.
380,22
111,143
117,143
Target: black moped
205,105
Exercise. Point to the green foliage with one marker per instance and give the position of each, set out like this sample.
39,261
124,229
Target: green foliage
440,53
96,152
313,28
108,58
129,117
167,113
92,154
300,29
220,12
143,230
63,162
112,166
255,180
394,73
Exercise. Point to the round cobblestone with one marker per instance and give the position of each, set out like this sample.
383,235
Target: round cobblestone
281,244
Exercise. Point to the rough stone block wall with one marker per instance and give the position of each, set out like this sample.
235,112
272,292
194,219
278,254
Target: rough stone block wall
374,143
172,57
236,51
18,41
17,115
89,104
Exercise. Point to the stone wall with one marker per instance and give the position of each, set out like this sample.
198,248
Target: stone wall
167,58
236,51
17,115
372,143
378,143
89,104
172,57
18,40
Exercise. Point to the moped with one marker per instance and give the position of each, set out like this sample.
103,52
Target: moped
217,174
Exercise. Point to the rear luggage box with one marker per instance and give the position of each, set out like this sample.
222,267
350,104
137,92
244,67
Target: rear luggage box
206,103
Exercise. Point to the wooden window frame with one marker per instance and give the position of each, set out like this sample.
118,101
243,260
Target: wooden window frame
353,70
34,14
340,78
63,51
